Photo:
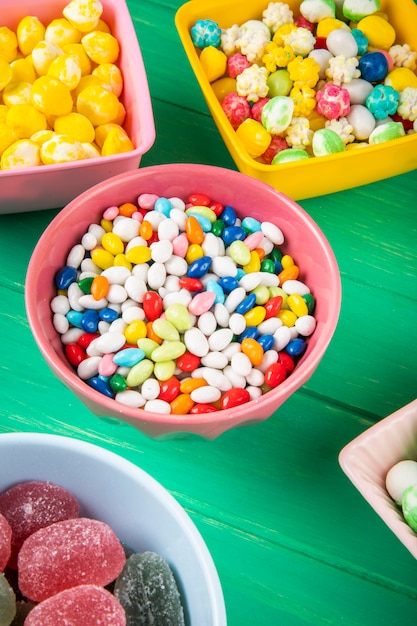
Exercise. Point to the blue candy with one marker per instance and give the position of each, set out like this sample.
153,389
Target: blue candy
214,287
266,341
250,332
251,224
108,315
90,320
247,304
75,318
296,347
128,357
228,283
373,66
203,221
101,386
229,216
361,40
233,233
199,267
206,33
65,277
163,205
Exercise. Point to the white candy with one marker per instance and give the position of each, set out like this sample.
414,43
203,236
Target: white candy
237,323
135,288
269,326
295,286
204,394
255,377
88,241
215,359
214,377
223,266
116,294
176,266
273,233
96,231
254,279
150,389
179,217
211,245
241,364
254,392
220,339
221,314
133,313
136,241
341,42
182,296
60,322
118,326
76,255
168,229
88,367
116,274
236,379
156,275
103,327
402,475
207,323
130,397
87,301
88,265
105,344
172,283
141,271
305,325
196,342
177,203
155,218
282,336
74,294
161,251
72,335
158,406
231,349
269,357
60,304
126,228
267,246
234,298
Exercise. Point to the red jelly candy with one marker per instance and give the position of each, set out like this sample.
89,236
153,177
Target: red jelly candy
188,362
192,284
273,306
84,605
199,199
275,374
5,542
65,554
75,354
287,361
152,305
169,389
234,397
199,409
31,505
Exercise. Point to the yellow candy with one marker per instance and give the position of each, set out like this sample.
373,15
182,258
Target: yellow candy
138,254
21,154
23,71
107,225
223,86
297,304
102,27
401,77
7,136
98,104
61,149
117,141
87,81
3,112
66,69
61,32
120,260
17,93
5,73
51,96
76,50
134,331
101,47
111,76
102,258
112,243
43,54
25,120
103,130
287,317
255,316
379,32
120,115
91,151
213,62
325,27
254,264
194,252
30,31
83,14
8,44
254,137
76,126
287,261
41,136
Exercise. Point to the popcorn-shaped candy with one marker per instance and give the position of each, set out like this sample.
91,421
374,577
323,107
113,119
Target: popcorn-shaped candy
236,109
355,10
147,587
343,70
256,110
379,32
254,137
83,605
301,41
276,14
206,33
229,39
61,149
316,10
326,141
362,121
5,73
277,114
61,32
111,76
43,54
101,47
25,120
361,41
343,128
407,104
253,38
8,44
83,14
64,554
342,42
386,132
31,505
403,56
30,31
333,101
400,78
304,71
76,50
50,96
299,134
214,62
76,126
236,64
277,145
304,99
382,101
5,542
277,56
251,83
289,155
7,602
98,104
66,69
373,66
20,154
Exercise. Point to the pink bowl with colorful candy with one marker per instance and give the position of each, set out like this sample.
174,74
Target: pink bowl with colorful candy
304,245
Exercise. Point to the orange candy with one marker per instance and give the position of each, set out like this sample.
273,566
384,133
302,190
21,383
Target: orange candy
182,404
99,287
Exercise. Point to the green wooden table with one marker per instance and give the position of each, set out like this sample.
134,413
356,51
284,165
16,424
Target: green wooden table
293,541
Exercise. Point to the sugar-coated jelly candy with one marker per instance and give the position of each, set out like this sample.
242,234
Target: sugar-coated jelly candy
66,554
7,602
148,592
83,605
5,542
31,505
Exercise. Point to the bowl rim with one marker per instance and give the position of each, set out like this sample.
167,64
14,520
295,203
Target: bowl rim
297,378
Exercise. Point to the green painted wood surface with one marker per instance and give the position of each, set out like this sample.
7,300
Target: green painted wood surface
293,541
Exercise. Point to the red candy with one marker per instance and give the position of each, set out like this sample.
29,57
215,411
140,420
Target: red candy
85,339
5,542
287,361
236,64
273,306
188,362
234,397
32,505
152,305
256,111
236,108
199,409
66,554
84,605
275,374
75,354
169,389
192,284
199,199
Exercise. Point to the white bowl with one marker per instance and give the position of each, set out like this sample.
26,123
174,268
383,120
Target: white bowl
142,513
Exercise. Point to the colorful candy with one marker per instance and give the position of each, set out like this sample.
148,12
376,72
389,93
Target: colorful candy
205,307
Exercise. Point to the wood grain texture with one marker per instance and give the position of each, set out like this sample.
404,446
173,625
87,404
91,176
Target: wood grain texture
293,541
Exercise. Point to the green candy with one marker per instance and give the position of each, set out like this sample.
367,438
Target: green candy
147,345
356,10
139,373
288,155
316,10
218,227
386,132
164,370
277,114
168,351
179,317
204,211
118,383
268,265
7,602
262,294
327,141
85,284
239,252
279,83
310,302
165,330
409,506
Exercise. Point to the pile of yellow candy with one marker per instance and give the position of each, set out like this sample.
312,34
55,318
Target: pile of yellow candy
60,86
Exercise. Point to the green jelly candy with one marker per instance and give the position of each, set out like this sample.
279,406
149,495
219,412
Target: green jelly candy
118,383
7,602
164,370
168,351
148,592
409,505
147,345
139,373
218,227
289,155
275,255
85,284
165,330
268,265
310,302
204,211
239,252
179,317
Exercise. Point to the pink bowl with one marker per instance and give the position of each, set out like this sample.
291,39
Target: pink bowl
52,186
367,459
304,241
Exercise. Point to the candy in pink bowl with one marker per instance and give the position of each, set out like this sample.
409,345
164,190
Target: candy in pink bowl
53,186
304,241
367,459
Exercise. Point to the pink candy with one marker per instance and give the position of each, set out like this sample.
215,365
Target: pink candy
236,109
236,64
333,101
5,542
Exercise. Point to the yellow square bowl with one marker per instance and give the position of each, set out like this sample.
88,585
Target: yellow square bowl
319,175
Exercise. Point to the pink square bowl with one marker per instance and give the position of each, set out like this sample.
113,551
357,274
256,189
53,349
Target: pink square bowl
367,459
